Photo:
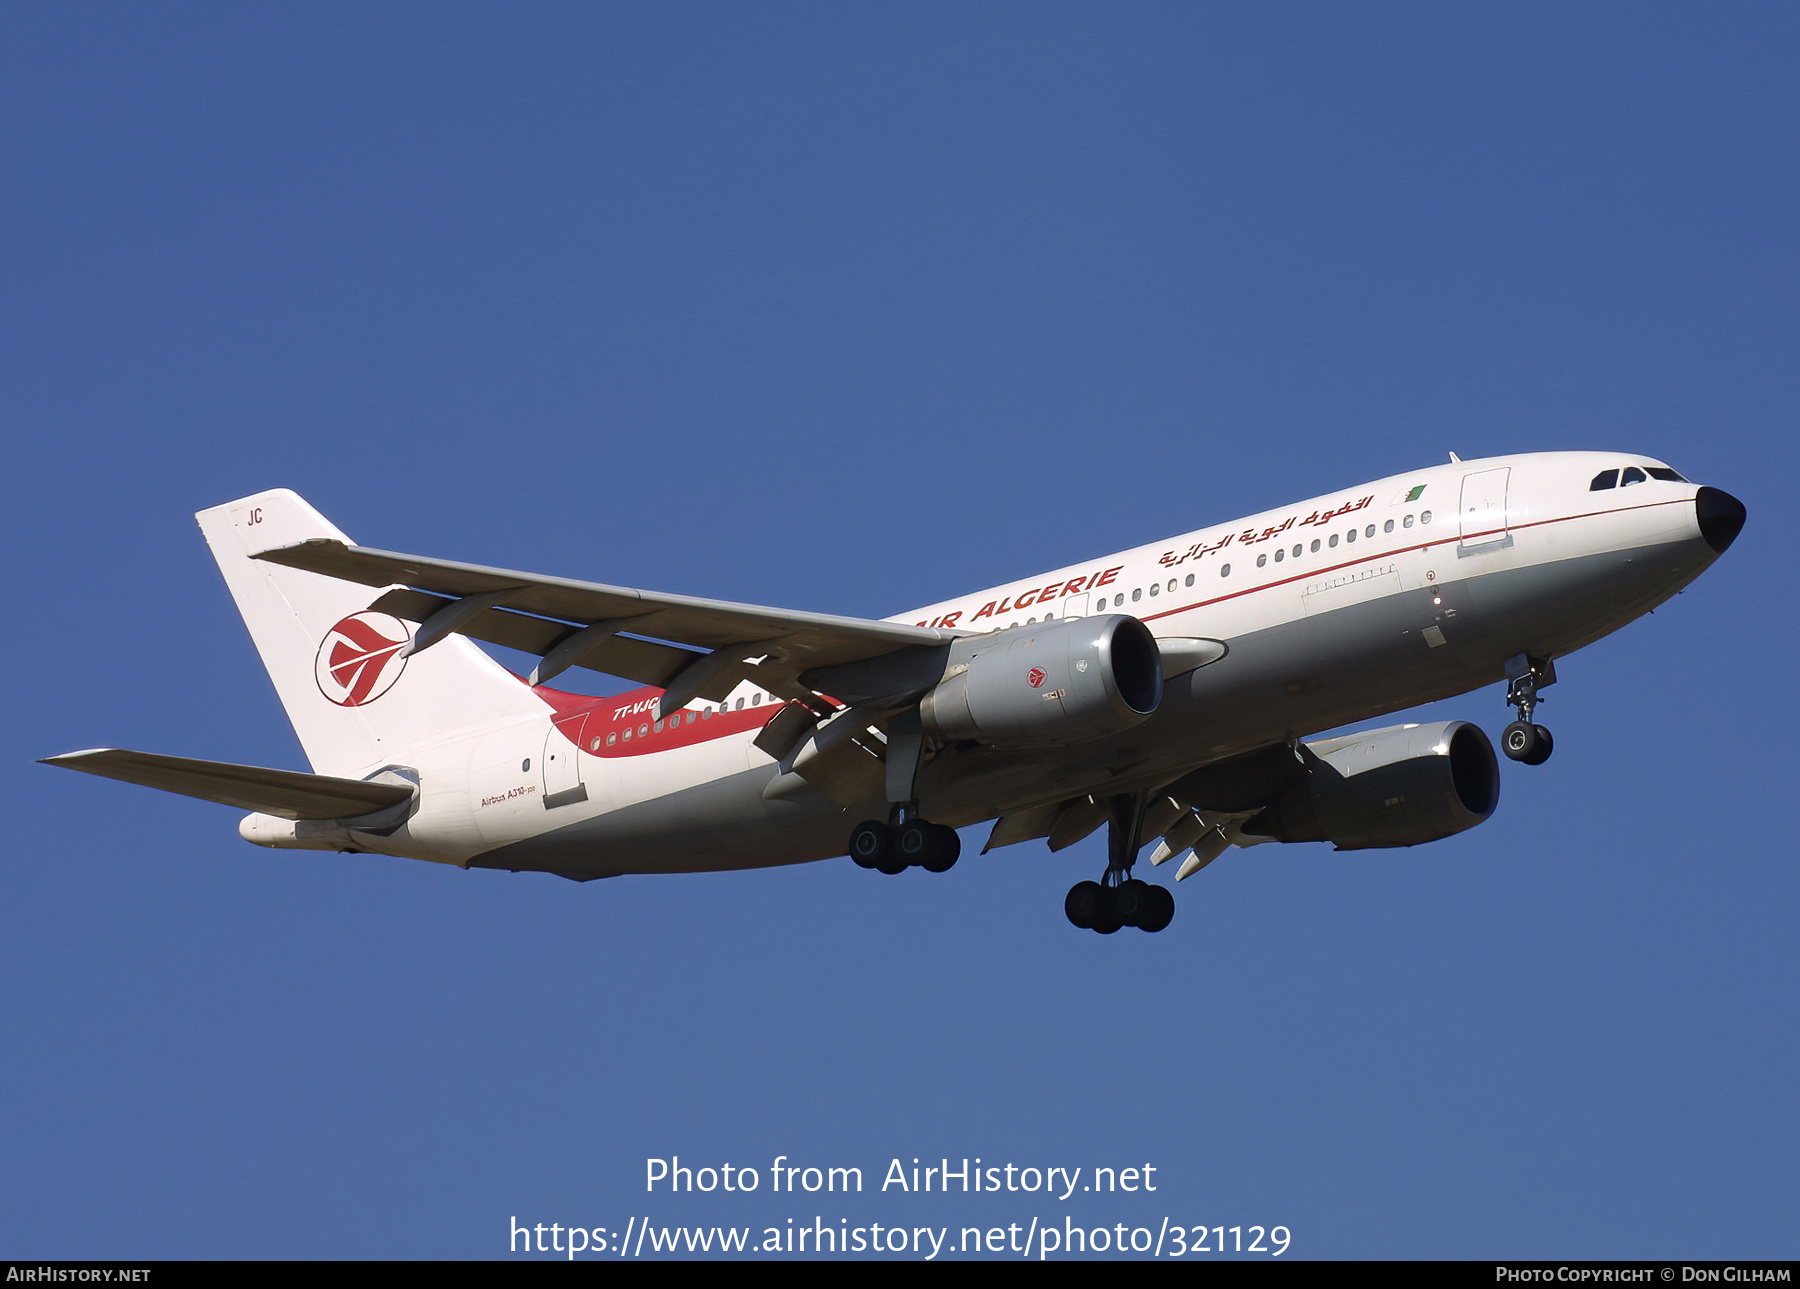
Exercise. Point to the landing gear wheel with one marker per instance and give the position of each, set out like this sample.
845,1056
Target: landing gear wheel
944,850
1081,901
1106,917
1131,898
914,842
872,843
1520,741
1159,908
1545,745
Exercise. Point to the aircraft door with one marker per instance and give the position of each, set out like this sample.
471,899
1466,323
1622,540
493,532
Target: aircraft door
562,766
1482,512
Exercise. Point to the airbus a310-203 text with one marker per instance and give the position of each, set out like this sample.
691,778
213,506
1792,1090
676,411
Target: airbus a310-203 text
1166,693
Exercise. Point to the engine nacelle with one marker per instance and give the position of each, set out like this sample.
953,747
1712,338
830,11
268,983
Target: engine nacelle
1393,787
1055,682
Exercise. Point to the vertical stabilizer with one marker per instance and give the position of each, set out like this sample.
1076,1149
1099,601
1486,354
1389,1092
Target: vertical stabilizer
356,701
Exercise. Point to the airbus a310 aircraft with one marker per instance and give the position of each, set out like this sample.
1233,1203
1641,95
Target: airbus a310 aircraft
1166,693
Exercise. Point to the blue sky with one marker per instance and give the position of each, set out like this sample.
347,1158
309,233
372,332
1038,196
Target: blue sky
854,308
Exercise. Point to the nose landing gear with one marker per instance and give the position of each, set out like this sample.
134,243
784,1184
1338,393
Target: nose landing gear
1523,741
1119,899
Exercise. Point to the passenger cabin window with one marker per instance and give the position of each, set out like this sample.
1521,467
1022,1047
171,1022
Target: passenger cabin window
1137,595
1632,475
1370,530
1225,571
1388,527
1604,480
1279,556
1425,518
1155,589
1296,550
1315,544
1262,561
1407,522
1334,537
1350,536
1190,581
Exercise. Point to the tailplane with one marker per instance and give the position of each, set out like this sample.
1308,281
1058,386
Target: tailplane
357,701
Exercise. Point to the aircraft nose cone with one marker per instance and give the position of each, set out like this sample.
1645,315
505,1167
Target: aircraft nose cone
1721,517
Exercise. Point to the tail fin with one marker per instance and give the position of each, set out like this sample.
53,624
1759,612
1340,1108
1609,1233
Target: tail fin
356,702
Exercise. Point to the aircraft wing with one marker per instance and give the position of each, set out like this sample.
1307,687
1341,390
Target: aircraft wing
289,794
711,645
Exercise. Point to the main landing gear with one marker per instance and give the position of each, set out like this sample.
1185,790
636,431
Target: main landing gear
905,839
1523,741
1119,899
893,848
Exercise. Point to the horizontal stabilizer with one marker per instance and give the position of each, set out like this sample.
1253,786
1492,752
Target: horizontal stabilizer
287,794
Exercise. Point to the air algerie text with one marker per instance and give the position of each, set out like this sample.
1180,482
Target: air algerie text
1035,595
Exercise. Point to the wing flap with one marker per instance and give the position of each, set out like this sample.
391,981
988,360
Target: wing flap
1023,825
288,794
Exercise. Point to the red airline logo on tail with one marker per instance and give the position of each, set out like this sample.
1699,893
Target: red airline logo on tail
359,659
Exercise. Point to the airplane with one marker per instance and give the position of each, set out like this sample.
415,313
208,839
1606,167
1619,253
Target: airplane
1170,693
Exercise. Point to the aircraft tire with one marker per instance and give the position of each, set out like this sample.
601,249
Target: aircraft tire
1520,741
914,841
870,843
944,851
1159,910
1545,746
1079,904
1106,918
1131,899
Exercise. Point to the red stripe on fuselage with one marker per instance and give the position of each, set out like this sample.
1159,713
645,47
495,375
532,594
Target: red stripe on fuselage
589,722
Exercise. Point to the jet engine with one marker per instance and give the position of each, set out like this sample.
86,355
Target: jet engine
1055,682
1394,787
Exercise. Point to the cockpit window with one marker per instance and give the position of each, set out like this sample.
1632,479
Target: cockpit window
1632,475
1665,474
1604,480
